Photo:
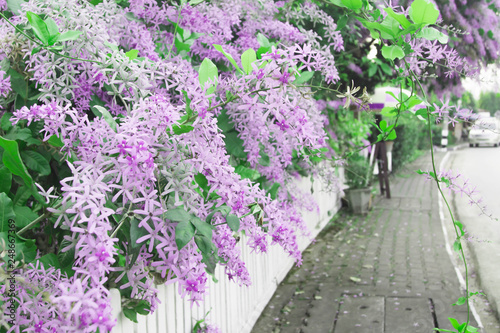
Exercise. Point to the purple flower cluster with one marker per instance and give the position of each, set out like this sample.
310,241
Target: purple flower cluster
143,139
130,169
50,302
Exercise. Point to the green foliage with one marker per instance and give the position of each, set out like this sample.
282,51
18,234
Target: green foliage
12,160
228,56
136,307
208,75
6,212
423,12
358,172
47,32
347,130
392,52
430,33
489,101
410,134
247,59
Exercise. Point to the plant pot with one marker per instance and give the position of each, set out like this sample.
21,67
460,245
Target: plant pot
359,199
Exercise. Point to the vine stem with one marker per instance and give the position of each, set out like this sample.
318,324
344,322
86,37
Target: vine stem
435,177
38,219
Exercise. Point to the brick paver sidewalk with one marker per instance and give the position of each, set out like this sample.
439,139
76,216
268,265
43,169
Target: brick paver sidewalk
384,272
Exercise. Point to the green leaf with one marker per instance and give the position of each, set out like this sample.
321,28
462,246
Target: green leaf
211,263
181,46
471,329
25,249
387,32
39,27
460,301
457,246
247,59
181,129
460,227
5,179
136,232
223,209
372,69
204,244
490,34
143,307
184,232
15,6
130,314
17,133
341,23
228,56
202,227
55,141
178,214
69,35
383,125
421,112
22,195
18,84
6,212
49,260
234,145
224,122
393,25
107,116
24,215
263,41
247,173
208,75
430,33
392,135
389,111
66,258
264,158
5,122
202,181
401,18
189,111
386,69
36,162
303,77
233,222
423,12
12,160
413,101
51,26
353,4
132,54
273,191
392,52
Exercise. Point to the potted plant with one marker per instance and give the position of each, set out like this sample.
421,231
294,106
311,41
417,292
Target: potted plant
359,174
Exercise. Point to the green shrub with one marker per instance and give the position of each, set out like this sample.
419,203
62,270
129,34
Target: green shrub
359,172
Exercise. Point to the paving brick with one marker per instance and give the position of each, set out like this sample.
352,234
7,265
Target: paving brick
394,252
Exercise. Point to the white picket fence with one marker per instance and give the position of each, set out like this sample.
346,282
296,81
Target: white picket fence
234,309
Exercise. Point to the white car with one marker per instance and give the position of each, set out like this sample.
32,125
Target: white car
485,131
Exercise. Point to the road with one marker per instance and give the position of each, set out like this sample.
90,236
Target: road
482,167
